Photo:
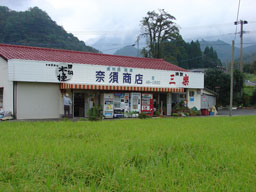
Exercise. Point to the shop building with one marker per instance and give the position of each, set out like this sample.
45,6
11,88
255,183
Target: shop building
33,81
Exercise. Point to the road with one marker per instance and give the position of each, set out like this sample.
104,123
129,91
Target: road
238,112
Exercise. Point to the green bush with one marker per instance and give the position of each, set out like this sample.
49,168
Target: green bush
175,114
253,98
144,116
195,112
95,113
156,113
246,100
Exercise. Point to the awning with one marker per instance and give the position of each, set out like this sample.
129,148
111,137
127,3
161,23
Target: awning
119,88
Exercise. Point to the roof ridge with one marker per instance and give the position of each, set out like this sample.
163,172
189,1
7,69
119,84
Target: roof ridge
82,52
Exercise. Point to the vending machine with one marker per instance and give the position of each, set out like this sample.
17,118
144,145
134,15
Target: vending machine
147,103
135,100
126,104
119,105
108,109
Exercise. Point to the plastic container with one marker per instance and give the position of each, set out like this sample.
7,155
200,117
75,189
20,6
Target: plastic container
204,112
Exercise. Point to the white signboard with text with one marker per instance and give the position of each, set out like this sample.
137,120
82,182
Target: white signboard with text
54,72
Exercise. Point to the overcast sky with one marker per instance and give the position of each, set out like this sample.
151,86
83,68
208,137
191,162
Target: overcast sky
90,20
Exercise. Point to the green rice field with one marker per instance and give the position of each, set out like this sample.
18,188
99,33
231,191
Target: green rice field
164,154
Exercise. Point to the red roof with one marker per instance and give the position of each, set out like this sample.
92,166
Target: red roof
67,56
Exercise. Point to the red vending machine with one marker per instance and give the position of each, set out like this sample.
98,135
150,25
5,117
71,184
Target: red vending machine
147,103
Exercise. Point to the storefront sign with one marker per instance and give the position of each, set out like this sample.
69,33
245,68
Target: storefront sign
64,72
56,72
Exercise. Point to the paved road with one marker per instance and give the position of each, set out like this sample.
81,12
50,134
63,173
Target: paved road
238,112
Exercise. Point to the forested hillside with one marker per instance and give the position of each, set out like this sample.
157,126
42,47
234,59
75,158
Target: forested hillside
35,28
189,55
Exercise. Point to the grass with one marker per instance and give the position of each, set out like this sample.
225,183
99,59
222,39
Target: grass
183,154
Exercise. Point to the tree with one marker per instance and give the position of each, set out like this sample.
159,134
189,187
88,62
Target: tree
175,52
250,68
195,55
158,28
218,81
210,58
35,28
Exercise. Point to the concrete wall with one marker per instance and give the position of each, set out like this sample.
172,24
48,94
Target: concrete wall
196,100
7,85
38,100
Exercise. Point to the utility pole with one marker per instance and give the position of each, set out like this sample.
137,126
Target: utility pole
241,22
232,79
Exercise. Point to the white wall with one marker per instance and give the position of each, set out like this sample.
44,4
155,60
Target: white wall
38,100
7,85
197,99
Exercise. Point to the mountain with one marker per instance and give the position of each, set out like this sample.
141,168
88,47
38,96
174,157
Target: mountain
128,51
250,50
35,28
248,58
110,44
224,50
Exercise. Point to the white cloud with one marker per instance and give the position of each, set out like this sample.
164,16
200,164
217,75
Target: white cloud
89,19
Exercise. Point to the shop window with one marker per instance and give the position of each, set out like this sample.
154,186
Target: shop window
113,69
1,97
191,93
182,96
118,69
131,70
108,68
125,70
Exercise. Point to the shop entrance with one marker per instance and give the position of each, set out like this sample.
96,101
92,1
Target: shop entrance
160,103
79,104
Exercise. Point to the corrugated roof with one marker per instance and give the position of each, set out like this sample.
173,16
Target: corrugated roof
67,56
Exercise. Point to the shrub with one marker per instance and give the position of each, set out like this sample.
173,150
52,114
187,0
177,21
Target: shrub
175,114
95,113
195,112
144,116
156,113
253,98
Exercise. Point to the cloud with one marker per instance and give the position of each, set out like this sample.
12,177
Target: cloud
15,4
91,20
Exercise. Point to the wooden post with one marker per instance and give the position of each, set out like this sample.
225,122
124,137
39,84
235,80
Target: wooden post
231,79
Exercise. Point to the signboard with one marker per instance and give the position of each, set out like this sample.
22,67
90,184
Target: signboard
64,72
56,72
